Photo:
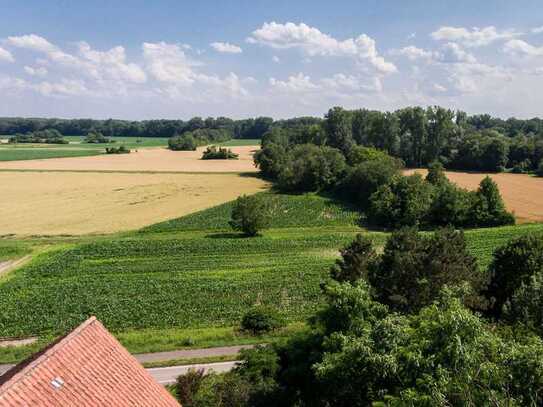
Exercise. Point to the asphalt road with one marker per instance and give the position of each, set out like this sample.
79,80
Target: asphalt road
167,375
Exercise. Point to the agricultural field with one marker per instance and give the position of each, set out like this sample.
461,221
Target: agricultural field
143,160
76,203
522,193
194,273
75,148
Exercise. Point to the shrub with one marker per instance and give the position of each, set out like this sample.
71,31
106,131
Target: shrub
450,205
96,138
250,214
212,153
117,150
184,142
513,264
311,168
405,201
187,385
261,319
436,174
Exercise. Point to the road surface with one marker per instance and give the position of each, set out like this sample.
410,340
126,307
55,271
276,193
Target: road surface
167,375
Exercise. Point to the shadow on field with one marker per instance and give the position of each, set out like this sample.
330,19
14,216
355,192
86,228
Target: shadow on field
226,235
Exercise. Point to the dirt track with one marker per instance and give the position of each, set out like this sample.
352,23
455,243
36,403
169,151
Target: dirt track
523,194
147,159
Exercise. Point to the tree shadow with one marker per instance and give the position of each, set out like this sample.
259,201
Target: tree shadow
226,235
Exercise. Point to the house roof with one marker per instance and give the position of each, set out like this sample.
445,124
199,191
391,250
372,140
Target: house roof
87,367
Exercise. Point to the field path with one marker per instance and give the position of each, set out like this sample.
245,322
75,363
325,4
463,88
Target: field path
7,266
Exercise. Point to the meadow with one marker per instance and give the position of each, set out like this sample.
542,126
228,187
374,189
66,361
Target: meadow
75,148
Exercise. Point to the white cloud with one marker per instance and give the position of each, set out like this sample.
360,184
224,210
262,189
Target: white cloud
413,53
475,37
276,59
537,30
315,43
168,63
226,47
6,56
453,53
439,88
40,71
295,84
523,48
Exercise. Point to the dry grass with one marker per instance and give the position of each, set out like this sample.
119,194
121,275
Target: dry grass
52,203
148,159
523,194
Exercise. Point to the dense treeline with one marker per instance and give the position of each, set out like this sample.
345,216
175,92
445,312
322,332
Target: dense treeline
242,129
372,180
398,328
49,136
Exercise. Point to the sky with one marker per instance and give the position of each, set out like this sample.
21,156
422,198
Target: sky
178,59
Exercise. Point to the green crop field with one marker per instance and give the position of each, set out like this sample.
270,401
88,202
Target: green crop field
193,272
76,148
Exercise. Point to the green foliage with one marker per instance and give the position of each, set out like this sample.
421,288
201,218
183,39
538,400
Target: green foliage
356,261
436,174
373,170
414,268
311,168
270,159
187,385
117,150
286,211
360,354
221,153
96,138
513,265
339,129
526,304
260,319
539,170
184,142
250,214
405,201
489,209
48,136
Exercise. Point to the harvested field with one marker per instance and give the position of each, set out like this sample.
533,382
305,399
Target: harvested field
144,160
52,203
523,194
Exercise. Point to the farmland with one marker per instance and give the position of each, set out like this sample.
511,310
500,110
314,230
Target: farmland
53,203
75,148
193,273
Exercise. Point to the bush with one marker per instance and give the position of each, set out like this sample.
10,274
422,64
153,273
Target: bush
405,201
311,168
250,214
96,138
436,174
513,265
117,150
450,205
185,142
187,385
261,319
212,153
270,159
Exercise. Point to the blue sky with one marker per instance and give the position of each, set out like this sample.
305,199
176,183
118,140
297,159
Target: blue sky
176,59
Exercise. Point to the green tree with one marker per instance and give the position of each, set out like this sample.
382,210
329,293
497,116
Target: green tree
250,214
185,142
356,261
488,208
338,127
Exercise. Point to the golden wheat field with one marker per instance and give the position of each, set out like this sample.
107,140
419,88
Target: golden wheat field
147,159
523,194
76,203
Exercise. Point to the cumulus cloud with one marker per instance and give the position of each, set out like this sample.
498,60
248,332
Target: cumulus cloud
312,42
453,53
168,63
413,53
297,83
522,48
39,71
6,56
226,48
475,37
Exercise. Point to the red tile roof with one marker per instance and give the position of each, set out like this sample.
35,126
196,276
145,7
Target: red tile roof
87,367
